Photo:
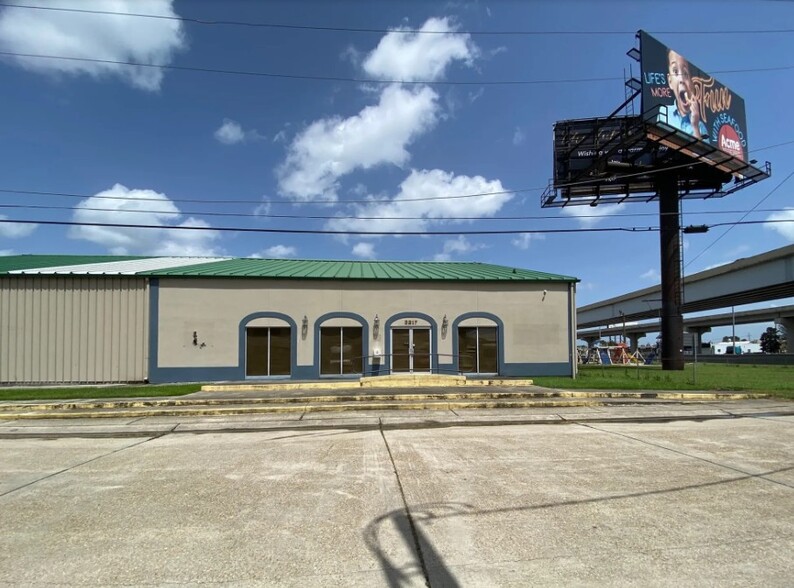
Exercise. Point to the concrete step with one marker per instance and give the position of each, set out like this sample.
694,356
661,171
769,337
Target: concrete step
385,381
363,398
381,402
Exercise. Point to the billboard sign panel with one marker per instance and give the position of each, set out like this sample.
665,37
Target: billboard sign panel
678,94
613,160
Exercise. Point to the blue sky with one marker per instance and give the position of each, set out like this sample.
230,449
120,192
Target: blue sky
258,145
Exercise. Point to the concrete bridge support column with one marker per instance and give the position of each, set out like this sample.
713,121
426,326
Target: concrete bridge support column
697,336
634,340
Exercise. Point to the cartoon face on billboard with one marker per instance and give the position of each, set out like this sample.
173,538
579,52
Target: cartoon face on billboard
677,94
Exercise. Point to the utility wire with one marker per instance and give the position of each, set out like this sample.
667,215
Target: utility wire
361,201
332,232
269,25
251,73
342,217
383,233
740,221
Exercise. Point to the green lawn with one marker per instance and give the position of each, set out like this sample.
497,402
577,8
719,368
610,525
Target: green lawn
774,379
73,393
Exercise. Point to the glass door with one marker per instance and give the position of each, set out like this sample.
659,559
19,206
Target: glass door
401,350
410,350
420,359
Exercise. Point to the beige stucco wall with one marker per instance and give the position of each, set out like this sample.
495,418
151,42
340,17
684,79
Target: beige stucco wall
73,329
536,325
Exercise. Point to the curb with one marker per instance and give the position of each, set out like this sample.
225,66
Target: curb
379,423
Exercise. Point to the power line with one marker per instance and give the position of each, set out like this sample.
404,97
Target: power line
372,233
741,220
251,73
269,25
354,201
342,217
333,232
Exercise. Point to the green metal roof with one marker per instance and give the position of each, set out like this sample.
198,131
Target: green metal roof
10,263
360,270
288,269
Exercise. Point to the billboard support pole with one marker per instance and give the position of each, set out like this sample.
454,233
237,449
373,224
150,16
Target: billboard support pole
670,249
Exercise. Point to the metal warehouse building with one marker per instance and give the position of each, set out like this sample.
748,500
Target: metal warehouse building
80,319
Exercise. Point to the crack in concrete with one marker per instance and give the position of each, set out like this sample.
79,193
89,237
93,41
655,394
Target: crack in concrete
689,455
408,514
53,474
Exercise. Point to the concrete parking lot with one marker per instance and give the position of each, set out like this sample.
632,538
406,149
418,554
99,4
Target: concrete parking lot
686,502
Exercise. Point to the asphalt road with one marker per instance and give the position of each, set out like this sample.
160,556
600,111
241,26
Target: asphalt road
588,502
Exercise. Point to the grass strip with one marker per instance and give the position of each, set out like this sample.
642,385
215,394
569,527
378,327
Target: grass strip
777,380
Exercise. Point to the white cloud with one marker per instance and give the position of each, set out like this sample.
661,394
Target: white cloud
418,56
523,240
364,250
457,246
280,251
6,252
518,136
231,133
152,209
389,215
652,275
590,216
333,147
15,230
787,228
95,36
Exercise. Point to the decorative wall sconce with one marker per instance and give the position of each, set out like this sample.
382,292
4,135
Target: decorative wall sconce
375,327
304,326
444,327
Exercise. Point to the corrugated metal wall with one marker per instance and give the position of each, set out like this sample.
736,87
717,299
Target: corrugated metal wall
73,329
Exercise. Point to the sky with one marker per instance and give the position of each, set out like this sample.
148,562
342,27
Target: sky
371,130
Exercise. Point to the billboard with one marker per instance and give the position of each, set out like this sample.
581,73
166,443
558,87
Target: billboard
677,94
612,159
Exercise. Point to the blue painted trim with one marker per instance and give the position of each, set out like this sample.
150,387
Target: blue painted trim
332,315
293,335
154,325
433,336
302,372
198,374
571,342
500,338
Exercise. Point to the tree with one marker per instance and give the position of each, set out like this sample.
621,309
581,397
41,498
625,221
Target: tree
730,339
770,340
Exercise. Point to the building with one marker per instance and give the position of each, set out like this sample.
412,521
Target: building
739,347
81,319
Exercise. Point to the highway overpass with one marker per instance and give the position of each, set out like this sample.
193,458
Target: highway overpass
765,277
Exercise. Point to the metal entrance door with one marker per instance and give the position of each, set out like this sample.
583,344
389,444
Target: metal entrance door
410,350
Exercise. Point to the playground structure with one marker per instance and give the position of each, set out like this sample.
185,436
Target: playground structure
615,355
